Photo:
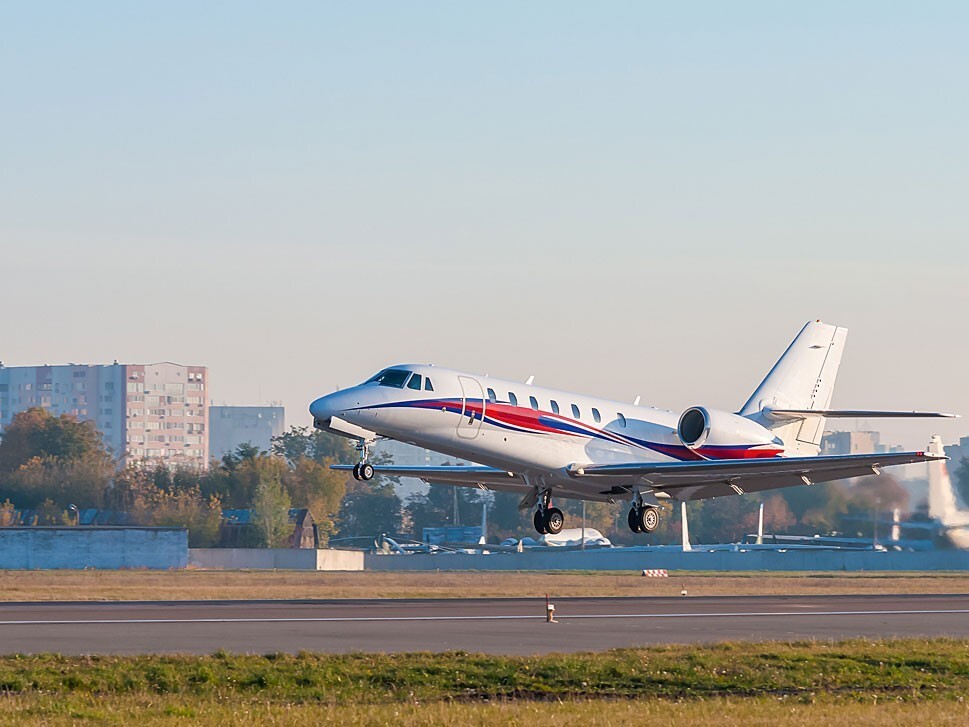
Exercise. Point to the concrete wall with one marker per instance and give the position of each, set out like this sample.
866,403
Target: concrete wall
631,559
42,548
275,559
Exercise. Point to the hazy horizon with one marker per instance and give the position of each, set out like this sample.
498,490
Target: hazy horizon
622,199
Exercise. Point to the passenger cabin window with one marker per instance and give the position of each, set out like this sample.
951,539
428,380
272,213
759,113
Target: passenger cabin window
622,419
595,415
576,414
492,397
391,377
534,402
427,385
512,399
555,406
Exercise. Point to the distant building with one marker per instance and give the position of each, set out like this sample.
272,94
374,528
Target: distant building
850,443
231,426
856,443
154,411
956,453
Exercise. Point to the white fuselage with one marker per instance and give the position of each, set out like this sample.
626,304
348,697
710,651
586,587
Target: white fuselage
514,426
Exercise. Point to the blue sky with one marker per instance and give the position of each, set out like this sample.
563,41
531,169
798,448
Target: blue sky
623,198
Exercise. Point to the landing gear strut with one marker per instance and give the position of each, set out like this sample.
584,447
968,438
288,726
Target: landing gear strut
548,520
363,470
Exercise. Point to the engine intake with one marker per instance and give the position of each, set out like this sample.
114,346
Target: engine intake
701,427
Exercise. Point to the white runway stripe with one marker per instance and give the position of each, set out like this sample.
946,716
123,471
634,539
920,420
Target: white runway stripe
560,617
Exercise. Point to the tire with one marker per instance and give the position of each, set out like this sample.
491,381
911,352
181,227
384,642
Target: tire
633,520
554,521
366,472
648,519
539,522
356,471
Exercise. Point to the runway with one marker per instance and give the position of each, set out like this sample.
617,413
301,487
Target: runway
497,626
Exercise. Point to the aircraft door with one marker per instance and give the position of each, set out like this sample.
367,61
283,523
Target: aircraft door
472,407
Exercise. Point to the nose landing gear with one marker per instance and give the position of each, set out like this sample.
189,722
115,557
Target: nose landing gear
363,470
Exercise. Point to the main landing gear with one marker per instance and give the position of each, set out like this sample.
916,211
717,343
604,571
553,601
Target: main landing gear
363,470
643,517
548,520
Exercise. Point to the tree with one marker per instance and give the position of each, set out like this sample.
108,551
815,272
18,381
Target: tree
316,486
436,508
369,509
182,506
58,458
270,504
36,433
302,443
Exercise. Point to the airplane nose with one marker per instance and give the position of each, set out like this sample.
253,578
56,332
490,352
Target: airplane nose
322,409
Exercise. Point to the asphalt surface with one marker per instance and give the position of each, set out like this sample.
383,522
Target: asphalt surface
497,626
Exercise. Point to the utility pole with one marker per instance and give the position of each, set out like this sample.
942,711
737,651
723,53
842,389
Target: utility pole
583,525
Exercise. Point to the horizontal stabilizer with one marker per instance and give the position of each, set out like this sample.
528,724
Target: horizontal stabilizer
855,414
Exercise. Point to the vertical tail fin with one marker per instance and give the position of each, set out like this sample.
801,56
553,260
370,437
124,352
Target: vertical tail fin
803,378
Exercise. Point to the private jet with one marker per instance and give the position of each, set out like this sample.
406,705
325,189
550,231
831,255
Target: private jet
546,443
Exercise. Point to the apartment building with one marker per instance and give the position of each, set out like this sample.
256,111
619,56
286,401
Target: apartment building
156,411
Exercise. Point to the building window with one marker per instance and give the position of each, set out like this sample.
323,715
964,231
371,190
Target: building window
555,406
596,416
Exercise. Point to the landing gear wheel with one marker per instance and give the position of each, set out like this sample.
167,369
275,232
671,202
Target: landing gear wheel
648,519
356,471
366,471
554,521
633,520
539,522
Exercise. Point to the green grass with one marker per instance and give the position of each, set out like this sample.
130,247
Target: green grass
902,682
903,670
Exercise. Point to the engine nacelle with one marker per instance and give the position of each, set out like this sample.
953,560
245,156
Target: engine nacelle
701,427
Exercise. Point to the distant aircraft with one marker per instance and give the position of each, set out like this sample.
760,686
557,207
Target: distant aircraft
942,500
543,442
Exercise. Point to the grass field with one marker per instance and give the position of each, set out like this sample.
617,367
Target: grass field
203,585
887,682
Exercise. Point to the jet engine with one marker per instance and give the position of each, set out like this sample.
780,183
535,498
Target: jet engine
701,427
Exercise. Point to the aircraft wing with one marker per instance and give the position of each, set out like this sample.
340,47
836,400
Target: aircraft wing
466,475
714,478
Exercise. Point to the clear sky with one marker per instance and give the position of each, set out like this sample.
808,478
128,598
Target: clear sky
621,198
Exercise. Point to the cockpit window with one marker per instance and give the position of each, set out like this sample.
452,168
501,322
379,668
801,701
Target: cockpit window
390,377
415,382
427,385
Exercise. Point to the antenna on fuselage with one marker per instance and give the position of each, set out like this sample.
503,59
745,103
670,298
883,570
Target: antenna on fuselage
636,403
529,380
